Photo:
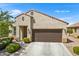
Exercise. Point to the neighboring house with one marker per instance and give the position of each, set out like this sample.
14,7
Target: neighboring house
39,27
75,28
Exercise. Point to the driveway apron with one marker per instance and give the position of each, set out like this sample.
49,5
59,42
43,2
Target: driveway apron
46,49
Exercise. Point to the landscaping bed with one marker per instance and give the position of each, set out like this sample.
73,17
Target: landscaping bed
17,53
6,45
71,47
76,36
10,47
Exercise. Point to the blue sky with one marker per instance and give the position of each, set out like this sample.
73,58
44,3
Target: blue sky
68,12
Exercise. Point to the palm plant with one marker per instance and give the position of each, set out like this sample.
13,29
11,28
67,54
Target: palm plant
5,15
5,22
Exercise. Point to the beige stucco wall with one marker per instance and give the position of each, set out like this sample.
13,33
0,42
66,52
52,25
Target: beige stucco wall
11,33
77,30
44,22
64,35
40,22
19,22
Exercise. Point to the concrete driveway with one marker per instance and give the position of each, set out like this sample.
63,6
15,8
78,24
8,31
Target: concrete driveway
46,49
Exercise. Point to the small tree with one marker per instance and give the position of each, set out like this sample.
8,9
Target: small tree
4,30
70,31
5,22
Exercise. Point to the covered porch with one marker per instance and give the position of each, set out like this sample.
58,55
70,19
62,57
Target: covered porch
22,32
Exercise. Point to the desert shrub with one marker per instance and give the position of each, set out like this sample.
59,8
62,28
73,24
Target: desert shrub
4,43
13,47
7,41
76,50
0,40
26,40
70,31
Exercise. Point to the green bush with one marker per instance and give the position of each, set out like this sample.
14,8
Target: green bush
7,39
26,40
13,47
16,45
76,50
0,40
4,43
70,31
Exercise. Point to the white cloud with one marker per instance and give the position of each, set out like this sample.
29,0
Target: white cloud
62,11
15,12
71,19
67,18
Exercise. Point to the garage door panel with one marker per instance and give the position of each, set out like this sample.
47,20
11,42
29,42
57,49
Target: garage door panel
47,35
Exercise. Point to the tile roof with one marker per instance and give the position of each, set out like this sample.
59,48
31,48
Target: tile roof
48,16
41,13
74,25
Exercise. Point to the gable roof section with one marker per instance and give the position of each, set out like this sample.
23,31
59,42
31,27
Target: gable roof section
74,25
47,15
40,13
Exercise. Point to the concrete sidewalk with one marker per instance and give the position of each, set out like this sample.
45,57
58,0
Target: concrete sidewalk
73,39
70,45
46,49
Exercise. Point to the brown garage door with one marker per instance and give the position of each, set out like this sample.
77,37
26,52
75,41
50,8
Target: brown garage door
46,35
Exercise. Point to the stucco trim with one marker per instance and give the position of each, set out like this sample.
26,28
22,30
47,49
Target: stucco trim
75,25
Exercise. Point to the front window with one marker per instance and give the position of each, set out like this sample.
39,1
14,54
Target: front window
23,18
32,13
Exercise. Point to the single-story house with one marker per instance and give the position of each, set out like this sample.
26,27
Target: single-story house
74,27
39,27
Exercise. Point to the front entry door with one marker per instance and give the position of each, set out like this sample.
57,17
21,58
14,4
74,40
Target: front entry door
24,31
